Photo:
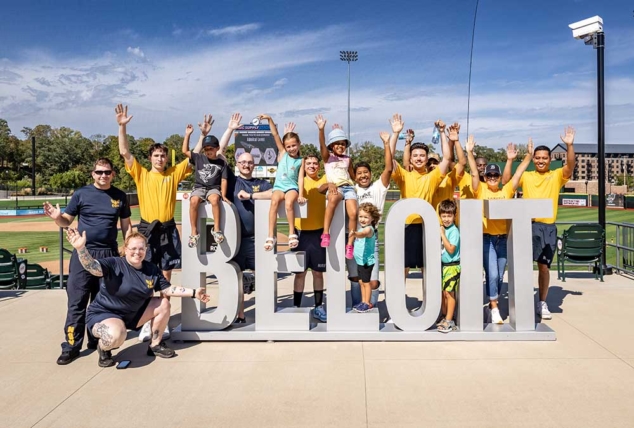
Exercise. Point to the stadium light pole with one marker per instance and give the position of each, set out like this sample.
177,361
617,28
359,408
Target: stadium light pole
348,56
591,32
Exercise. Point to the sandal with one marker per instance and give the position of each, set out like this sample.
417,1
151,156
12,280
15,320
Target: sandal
193,240
293,241
447,326
269,244
325,240
219,237
349,252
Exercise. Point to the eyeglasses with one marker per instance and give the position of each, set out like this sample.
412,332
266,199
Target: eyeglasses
103,172
246,163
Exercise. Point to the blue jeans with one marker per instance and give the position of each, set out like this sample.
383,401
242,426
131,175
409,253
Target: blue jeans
494,260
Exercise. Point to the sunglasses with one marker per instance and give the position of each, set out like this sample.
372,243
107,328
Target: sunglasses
107,172
492,176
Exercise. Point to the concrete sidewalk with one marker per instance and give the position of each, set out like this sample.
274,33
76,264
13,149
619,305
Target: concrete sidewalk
585,378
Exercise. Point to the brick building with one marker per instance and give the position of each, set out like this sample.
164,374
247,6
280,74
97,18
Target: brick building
619,161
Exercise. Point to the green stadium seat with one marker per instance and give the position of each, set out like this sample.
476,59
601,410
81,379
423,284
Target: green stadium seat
8,273
581,244
37,277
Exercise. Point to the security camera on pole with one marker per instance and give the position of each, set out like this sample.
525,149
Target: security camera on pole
591,32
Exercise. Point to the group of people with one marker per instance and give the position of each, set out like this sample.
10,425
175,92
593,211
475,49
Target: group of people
123,298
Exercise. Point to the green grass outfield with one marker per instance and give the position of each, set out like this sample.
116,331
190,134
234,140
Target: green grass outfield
33,240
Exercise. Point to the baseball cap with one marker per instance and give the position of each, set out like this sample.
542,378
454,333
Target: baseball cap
337,135
210,141
433,156
492,169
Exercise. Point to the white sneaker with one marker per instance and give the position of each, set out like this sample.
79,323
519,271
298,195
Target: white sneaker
496,318
542,310
146,332
166,333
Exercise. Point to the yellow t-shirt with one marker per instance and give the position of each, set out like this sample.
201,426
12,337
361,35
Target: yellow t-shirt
446,189
157,191
316,205
544,186
415,185
466,187
495,227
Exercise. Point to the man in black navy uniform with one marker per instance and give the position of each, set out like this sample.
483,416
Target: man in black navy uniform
242,190
99,207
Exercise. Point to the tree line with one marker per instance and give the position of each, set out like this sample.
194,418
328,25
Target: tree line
64,157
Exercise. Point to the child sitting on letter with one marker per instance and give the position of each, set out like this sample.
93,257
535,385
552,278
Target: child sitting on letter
289,178
339,169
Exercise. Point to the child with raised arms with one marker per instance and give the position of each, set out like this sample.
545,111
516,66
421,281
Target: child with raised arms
211,181
289,179
339,171
365,239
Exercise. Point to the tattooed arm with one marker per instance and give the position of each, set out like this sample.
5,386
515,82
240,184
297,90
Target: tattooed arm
179,291
79,243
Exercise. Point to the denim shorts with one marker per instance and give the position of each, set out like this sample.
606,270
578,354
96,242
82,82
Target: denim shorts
348,192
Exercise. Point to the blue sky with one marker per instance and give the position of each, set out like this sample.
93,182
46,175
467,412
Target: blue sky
68,63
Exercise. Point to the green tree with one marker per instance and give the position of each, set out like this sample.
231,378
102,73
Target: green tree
69,180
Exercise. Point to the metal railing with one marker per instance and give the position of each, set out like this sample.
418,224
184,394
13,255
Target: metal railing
624,245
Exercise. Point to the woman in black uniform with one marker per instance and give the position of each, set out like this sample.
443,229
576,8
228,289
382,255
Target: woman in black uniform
125,297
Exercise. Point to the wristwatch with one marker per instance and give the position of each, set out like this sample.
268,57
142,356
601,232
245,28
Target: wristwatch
250,196
194,293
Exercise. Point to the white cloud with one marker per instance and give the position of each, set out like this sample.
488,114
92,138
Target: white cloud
136,51
234,30
266,74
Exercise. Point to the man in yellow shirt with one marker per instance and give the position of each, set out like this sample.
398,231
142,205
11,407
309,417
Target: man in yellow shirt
309,231
546,184
418,184
156,189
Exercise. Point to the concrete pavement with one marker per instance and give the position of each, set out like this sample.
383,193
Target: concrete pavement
585,378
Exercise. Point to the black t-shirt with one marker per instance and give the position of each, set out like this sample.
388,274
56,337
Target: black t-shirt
123,289
246,209
209,172
98,211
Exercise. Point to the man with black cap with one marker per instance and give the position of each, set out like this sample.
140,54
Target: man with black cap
211,183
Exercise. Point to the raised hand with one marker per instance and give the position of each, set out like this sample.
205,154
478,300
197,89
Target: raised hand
289,127
409,136
234,122
440,125
530,147
51,211
78,241
397,123
122,114
189,129
470,144
320,121
205,127
454,131
337,126
569,135
385,136
511,151
265,117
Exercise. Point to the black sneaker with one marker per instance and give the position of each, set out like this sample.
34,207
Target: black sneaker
105,358
161,350
67,356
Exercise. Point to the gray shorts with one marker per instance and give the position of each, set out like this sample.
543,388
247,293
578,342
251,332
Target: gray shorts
204,194
544,243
